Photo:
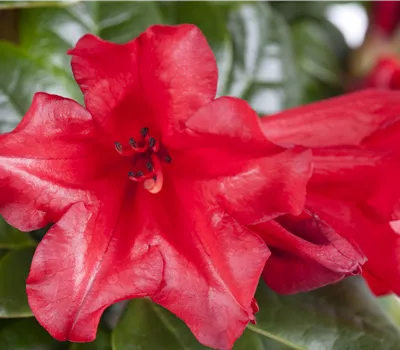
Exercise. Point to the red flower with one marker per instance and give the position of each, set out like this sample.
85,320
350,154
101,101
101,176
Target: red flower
385,17
151,189
355,188
385,74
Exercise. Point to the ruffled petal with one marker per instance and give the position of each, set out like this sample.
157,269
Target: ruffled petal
88,260
253,179
56,151
378,241
266,187
202,265
305,254
212,264
161,78
344,120
365,177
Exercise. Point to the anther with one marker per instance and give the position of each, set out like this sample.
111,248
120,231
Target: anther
131,174
118,146
168,159
132,142
149,166
139,174
144,131
152,142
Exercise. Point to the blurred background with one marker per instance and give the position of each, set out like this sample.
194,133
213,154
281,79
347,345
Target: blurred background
276,55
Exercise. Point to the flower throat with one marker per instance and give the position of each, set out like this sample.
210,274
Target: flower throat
149,153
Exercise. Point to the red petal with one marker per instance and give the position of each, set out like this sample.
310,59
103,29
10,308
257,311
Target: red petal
344,120
367,178
161,78
86,262
378,241
201,265
253,179
305,254
56,149
385,74
213,265
266,187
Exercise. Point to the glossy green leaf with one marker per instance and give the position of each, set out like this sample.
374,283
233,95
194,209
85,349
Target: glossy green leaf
345,316
147,326
20,77
102,342
391,306
31,4
319,51
27,334
263,66
313,53
14,269
11,238
251,44
48,33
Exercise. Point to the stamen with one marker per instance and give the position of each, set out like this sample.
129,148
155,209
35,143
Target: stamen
118,147
149,166
144,132
152,142
132,142
168,159
139,174
124,152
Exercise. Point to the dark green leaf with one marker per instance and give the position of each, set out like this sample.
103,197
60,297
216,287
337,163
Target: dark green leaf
20,77
27,334
48,33
344,316
391,306
11,238
313,53
263,67
147,326
14,269
102,342
31,4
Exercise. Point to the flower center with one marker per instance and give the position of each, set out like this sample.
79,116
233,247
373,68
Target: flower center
147,155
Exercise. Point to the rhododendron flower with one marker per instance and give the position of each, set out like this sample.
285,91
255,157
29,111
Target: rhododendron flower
151,188
385,74
355,188
385,17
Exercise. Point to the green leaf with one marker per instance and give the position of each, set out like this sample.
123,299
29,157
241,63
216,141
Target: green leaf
313,53
251,43
391,306
48,33
263,67
20,77
30,4
27,334
11,238
338,317
14,269
147,326
102,342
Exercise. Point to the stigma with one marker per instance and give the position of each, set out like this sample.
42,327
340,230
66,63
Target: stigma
147,155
